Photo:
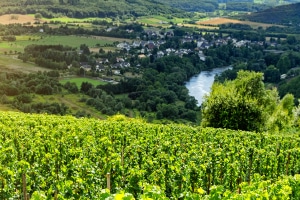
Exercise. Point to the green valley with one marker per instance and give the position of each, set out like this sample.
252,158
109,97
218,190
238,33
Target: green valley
94,103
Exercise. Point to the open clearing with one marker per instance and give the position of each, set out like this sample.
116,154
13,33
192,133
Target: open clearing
21,19
72,41
10,63
220,20
80,80
17,19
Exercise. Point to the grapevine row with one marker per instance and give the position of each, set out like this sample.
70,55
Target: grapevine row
65,157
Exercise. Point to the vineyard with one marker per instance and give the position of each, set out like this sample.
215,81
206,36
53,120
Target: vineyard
52,157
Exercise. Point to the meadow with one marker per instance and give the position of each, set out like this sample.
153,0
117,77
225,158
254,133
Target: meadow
158,20
21,19
80,80
10,63
72,101
75,20
72,41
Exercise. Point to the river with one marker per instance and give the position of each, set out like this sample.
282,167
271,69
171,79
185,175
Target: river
200,84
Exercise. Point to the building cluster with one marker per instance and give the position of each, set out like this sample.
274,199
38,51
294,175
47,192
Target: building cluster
146,47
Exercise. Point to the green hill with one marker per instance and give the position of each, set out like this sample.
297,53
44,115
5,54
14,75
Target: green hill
85,8
45,157
287,14
193,5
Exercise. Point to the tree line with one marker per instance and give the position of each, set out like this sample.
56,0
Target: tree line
19,90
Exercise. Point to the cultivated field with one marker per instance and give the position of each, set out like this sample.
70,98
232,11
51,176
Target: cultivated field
72,41
200,26
219,20
18,19
21,19
157,20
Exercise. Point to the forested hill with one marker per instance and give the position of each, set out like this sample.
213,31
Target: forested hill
192,5
85,8
287,14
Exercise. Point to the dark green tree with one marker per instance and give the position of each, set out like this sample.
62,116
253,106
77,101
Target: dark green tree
85,87
272,74
283,64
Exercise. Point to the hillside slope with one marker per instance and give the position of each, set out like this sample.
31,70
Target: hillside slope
193,5
287,14
85,8
69,158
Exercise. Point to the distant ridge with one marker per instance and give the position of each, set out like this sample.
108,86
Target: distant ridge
285,15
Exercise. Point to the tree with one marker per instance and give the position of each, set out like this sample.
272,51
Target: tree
209,62
283,64
291,39
272,74
241,104
38,16
282,117
44,89
85,87
85,49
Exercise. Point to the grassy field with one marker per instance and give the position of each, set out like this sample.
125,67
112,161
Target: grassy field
80,80
21,19
10,63
75,20
72,101
6,107
73,41
157,20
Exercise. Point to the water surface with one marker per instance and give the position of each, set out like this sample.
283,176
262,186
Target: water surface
200,84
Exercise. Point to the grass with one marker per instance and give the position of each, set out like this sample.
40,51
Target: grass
156,20
75,20
72,101
72,41
7,107
10,63
80,80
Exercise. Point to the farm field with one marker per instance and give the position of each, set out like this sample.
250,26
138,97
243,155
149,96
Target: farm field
157,20
18,19
72,41
75,20
200,26
219,20
23,19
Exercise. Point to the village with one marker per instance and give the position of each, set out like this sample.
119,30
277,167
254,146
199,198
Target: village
154,45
